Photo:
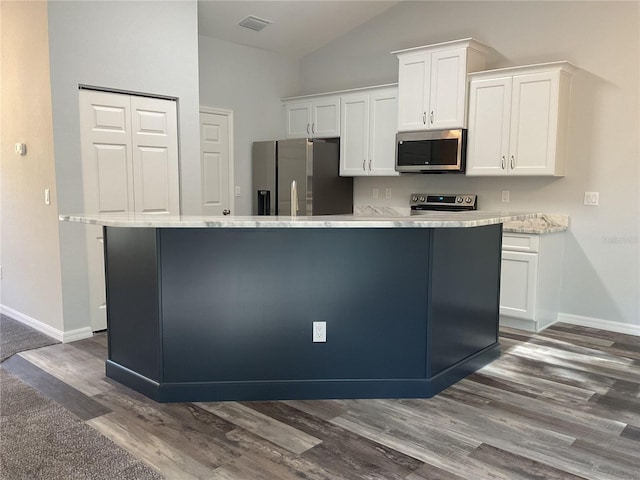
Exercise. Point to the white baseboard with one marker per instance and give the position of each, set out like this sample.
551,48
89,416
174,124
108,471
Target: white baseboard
618,327
60,335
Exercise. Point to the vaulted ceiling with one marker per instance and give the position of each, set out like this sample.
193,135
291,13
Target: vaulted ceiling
298,27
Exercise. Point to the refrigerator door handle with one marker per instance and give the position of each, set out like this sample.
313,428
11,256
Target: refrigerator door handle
294,199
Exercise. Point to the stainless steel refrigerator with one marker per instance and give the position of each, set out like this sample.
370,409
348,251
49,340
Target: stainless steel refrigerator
313,165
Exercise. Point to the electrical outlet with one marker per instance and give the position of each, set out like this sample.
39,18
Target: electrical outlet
387,193
237,191
319,332
505,196
592,198
375,193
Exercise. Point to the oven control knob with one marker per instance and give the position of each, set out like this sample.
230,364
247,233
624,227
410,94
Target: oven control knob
467,199
414,198
422,198
458,199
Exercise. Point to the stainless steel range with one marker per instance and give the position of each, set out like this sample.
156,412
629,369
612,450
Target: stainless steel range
424,202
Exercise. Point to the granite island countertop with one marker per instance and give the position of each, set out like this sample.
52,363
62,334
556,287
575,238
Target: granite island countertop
429,220
539,224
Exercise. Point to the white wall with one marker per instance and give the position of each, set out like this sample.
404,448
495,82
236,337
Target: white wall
149,47
601,278
29,244
251,82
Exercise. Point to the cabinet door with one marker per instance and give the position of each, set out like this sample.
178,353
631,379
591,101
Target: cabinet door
447,89
489,120
297,120
413,86
382,137
354,135
518,285
533,123
325,119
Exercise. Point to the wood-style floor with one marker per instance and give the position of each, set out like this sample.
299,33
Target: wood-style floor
563,404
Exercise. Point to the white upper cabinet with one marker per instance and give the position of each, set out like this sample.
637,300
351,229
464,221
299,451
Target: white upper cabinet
432,84
368,122
318,117
518,120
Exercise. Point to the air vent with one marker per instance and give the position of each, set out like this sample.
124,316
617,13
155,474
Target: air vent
254,23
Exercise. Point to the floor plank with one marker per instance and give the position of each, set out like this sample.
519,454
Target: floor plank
68,397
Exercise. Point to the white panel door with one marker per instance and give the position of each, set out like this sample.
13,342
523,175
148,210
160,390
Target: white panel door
129,149
448,86
489,120
354,135
518,285
533,124
326,118
382,132
107,170
297,120
413,86
155,154
216,161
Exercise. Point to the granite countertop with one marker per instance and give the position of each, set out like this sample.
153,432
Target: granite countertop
545,223
539,224
430,220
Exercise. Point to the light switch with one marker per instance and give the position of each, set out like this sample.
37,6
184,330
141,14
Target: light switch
47,196
21,148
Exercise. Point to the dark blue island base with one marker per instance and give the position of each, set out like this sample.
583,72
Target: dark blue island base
205,314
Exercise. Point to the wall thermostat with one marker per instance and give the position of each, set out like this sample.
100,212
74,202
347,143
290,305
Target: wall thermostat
21,148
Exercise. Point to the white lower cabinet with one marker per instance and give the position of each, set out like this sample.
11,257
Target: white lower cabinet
530,280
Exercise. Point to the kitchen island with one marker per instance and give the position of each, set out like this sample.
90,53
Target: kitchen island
223,308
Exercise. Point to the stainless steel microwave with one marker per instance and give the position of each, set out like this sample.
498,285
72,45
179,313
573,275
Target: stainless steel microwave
432,151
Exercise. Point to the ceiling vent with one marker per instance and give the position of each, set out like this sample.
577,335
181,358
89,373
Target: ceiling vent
254,23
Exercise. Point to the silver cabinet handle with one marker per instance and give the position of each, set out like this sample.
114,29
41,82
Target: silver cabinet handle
503,162
431,117
424,118
369,164
313,128
226,211
364,164
308,129
512,163
294,199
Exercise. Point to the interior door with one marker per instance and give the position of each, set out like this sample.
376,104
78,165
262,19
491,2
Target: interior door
129,149
154,154
216,148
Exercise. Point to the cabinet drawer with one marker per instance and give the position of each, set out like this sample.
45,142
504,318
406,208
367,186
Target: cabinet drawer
519,242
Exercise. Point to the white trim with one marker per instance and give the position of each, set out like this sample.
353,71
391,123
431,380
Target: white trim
618,327
229,115
61,336
312,96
